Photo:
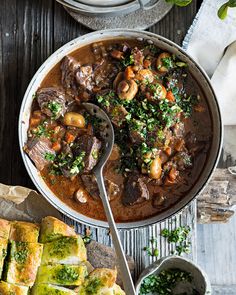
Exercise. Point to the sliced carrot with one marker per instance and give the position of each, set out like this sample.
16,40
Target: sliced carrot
69,137
164,92
129,73
56,146
170,96
34,122
168,151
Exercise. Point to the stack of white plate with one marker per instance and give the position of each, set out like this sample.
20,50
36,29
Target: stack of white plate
107,7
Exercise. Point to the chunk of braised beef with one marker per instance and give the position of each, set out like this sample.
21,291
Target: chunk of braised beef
104,73
182,160
69,67
91,186
138,57
84,77
67,153
118,115
90,183
137,131
158,200
40,152
116,112
52,101
178,129
91,145
135,191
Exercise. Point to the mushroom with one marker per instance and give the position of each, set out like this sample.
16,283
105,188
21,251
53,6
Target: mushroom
159,64
144,75
118,79
81,196
155,168
127,89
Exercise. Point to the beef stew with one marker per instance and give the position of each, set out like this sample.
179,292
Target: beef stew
162,125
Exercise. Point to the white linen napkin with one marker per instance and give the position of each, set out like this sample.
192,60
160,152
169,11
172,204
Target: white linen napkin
212,43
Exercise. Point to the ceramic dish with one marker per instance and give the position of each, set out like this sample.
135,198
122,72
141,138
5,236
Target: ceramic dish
197,73
200,280
103,3
122,9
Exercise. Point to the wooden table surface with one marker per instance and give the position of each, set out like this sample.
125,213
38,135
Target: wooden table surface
30,32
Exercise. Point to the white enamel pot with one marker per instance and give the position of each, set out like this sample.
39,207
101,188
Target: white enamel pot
198,74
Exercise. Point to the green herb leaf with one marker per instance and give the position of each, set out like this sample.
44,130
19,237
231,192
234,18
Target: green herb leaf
49,157
164,282
93,286
128,60
223,10
66,274
55,108
179,236
180,3
78,164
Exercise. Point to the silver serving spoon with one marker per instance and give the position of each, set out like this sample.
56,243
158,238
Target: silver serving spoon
107,133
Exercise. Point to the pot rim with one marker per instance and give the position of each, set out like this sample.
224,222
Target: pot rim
35,176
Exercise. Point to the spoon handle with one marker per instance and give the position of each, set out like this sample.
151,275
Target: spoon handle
123,265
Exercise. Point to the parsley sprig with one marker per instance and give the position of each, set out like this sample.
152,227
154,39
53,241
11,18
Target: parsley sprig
164,282
180,236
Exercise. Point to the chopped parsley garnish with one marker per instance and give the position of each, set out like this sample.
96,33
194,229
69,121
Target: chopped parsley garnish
49,157
180,236
186,104
55,108
87,239
106,99
164,282
169,112
78,164
152,250
66,274
21,252
128,60
93,286
67,162
167,62
42,131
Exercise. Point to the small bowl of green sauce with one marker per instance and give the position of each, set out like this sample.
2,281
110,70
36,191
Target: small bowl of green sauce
173,275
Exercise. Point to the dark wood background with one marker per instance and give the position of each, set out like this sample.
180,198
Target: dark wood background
30,32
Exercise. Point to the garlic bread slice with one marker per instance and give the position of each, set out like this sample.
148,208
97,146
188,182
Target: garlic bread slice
64,275
53,228
24,232
11,289
66,250
23,263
